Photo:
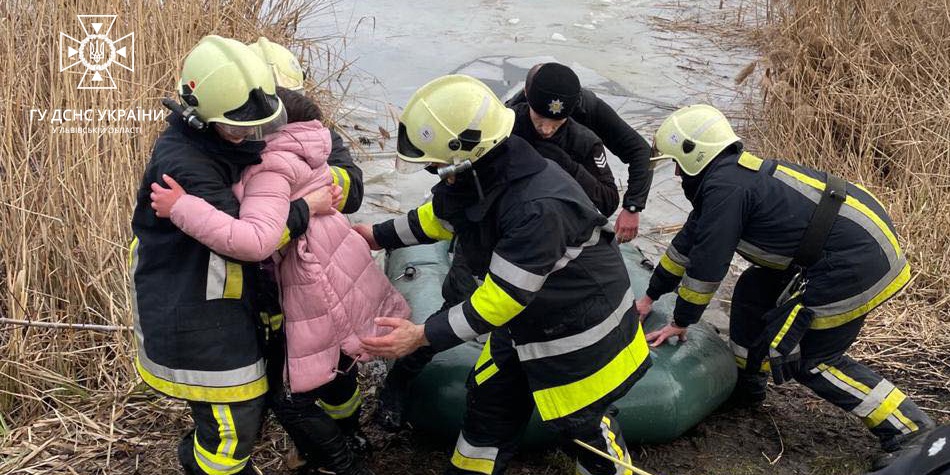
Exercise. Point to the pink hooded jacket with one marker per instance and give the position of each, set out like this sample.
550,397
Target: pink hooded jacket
331,288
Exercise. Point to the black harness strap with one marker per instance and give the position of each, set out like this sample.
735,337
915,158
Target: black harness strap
813,241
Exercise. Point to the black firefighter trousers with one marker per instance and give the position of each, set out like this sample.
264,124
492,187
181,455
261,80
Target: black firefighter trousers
223,438
499,405
825,368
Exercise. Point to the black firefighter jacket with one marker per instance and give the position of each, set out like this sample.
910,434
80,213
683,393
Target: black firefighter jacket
195,327
760,209
553,279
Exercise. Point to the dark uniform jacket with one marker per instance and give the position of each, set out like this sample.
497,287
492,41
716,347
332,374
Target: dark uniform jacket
761,210
346,174
624,142
554,280
195,328
579,152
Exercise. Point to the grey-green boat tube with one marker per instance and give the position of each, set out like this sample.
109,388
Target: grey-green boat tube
686,383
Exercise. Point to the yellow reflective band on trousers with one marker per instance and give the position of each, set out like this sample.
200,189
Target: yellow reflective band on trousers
342,179
486,373
431,225
887,408
694,297
227,433
788,324
134,244
482,369
741,363
612,444
567,399
284,238
494,304
472,458
218,463
671,267
244,392
344,410
471,464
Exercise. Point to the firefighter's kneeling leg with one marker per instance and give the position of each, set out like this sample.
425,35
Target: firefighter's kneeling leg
498,407
223,438
604,435
854,387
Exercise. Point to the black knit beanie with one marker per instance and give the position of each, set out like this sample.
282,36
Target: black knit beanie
553,91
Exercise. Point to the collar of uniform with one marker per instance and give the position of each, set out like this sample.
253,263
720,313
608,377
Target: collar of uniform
509,161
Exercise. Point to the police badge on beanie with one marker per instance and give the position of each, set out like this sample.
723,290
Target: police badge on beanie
553,91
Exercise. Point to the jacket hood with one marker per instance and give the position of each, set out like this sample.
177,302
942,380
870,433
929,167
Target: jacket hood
308,140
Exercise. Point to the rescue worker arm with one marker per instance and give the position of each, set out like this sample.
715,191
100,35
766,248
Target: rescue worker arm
253,236
592,174
418,226
598,182
624,142
716,236
345,174
666,277
533,244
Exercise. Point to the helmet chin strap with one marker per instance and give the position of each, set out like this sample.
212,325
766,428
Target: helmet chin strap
451,171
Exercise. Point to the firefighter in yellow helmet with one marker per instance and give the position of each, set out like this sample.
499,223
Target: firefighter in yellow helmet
555,295
291,75
196,331
824,253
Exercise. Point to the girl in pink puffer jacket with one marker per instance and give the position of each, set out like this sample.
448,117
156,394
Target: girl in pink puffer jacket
331,288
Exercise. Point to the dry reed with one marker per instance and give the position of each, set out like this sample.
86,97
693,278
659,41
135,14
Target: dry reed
861,88
70,401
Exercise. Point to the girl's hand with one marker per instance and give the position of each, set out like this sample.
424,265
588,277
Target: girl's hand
324,200
164,199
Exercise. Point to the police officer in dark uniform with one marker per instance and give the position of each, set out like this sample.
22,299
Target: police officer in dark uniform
824,253
624,142
545,122
554,296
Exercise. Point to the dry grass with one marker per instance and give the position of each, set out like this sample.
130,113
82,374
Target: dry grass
860,88
68,398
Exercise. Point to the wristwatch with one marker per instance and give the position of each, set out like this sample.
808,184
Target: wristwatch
633,208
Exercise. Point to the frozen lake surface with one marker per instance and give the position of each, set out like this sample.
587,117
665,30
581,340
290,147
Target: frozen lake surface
617,47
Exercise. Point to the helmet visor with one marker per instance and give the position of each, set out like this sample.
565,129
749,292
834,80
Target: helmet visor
258,107
407,168
253,133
